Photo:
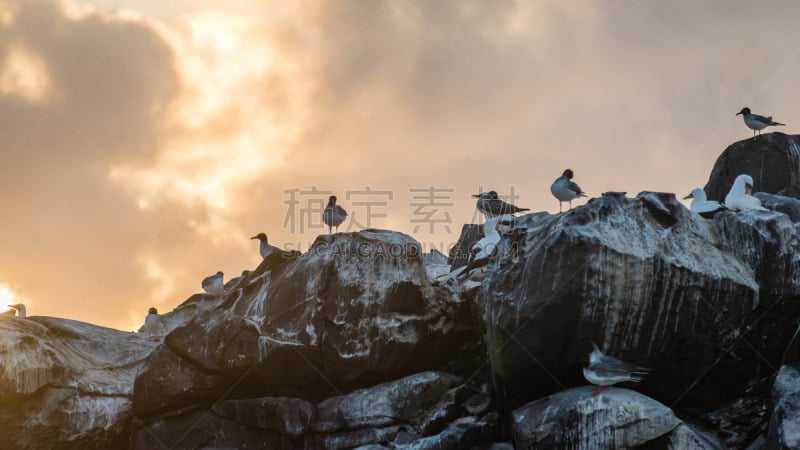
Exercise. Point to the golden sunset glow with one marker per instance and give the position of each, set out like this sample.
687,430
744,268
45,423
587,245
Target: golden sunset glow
144,142
23,74
7,297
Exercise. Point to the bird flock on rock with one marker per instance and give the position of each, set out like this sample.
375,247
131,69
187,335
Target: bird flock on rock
602,370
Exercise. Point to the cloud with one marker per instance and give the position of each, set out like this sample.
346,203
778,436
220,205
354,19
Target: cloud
141,147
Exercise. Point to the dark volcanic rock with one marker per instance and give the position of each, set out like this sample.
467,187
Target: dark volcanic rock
784,426
772,159
459,254
644,278
398,402
787,205
66,384
617,418
201,429
288,416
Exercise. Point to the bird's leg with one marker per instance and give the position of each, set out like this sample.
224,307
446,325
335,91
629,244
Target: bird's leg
597,392
570,205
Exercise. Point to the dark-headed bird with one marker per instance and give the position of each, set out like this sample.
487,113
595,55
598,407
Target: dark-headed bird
333,215
756,122
565,190
265,249
490,205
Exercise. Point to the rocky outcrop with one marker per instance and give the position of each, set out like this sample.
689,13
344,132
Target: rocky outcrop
66,384
354,310
772,159
617,418
784,426
364,342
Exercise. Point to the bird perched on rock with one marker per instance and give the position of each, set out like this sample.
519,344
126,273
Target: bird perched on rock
264,248
739,198
213,285
701,205
565,190
153,325
490,205
333,215
756,122
19,308
604,370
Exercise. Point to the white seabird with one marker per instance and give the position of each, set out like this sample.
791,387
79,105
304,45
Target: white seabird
701,205
20,308
153,325
490,205
333,215
565,190
739,198
604,370
264,248
213,285
756,122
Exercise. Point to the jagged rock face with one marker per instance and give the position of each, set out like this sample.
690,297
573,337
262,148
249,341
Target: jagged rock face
642,277
356,309
781,203
772,159
784,426
617,418
66,384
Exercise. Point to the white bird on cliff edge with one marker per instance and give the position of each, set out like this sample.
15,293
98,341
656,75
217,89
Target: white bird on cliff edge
739,198
264,248
333,215
701,205
565,190
604,370
153,325
213,285
17,309
756,122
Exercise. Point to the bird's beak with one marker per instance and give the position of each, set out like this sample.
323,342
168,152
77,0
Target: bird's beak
748,189
254,237
688,197
739,113
476,195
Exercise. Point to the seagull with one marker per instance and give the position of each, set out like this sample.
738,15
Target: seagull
20,309
739,198
604,370
701,205
213,285
490,205
153,325
565,190
333,215
264,248
756,122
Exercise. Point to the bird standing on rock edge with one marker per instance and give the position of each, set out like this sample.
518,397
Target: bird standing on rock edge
213,285
490,205
756,122
265,249
565,190
605,370
702,206
333,215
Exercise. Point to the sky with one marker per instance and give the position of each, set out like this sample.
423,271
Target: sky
143,142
